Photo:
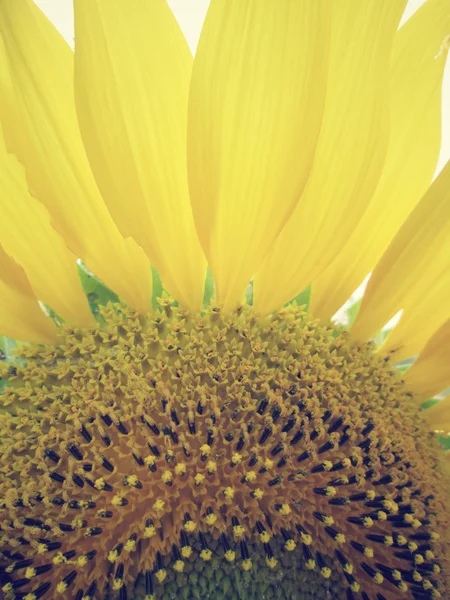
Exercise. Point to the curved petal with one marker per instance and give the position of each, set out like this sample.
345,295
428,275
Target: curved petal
255,109
132,71
420,320
349,156
413,271
41,128
415,139
21,318
28,236
430,373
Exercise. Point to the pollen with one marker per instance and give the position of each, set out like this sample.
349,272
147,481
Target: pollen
206,554
179,566
186,551
211,519
285,510
230,555
290,545
162,451
265,537
199,478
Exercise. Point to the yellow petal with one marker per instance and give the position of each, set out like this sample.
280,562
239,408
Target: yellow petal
28,236
412,275
349,156
415,139
420,320
255,108
41,128
132,71
21,317
430,373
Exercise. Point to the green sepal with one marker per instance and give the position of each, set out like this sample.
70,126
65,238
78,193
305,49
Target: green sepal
98,294
210,288
302,299
157,288
249,294
352,311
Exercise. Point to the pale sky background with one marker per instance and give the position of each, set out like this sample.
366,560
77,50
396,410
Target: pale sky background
190,15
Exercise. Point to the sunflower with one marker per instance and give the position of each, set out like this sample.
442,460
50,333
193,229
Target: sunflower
181,417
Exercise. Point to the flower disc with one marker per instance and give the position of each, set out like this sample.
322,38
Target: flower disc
215,455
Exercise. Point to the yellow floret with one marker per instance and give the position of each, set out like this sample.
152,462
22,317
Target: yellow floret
238,531
179,566
268,463
205,450
99,483
236,458
61,587
211,466
285,509
161,575
166,477
229,493
290,545
211,519
190,526
117,584
199,478
130,546
180,469
250,476
230,555
149,531
158,506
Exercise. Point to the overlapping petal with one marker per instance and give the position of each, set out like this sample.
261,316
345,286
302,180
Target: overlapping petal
132,72
349,156
21,317
28,237
255,108
413,275
430,373
41,128
415,137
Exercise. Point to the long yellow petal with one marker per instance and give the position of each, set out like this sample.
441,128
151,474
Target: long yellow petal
41,129
132,71
420,320
415,138
413,273
350,153
255,109
430,373
21,318
28,236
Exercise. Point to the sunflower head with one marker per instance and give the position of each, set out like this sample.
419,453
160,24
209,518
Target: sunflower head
186,448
